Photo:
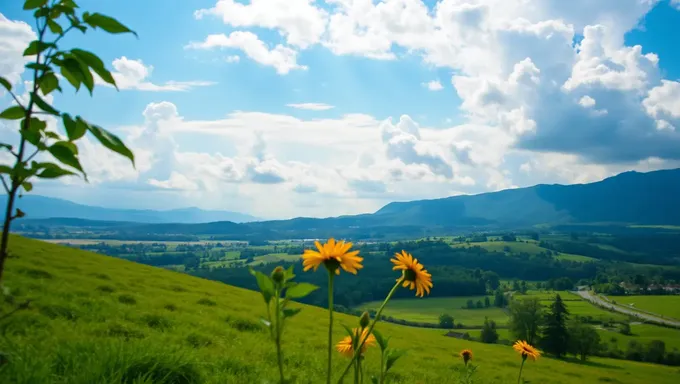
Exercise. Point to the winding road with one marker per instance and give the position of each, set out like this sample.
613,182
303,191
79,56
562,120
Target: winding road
594,299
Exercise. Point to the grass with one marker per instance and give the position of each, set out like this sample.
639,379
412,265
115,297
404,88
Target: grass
76,333
530,247
577,306
428,310
643,334
668,305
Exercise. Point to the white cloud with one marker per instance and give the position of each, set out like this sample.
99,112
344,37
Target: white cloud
133,74
311,106
434,85
233,59
14,38
282,58
587,101
676,3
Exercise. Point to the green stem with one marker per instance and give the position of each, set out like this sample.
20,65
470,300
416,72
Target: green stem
356,371
370,328
331,276
278,335
519,378
382,367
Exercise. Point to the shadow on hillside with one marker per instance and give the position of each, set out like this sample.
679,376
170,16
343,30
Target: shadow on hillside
590,363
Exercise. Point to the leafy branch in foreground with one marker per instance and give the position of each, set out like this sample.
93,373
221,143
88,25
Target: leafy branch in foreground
53,21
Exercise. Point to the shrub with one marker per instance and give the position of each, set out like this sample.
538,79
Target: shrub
106,288
127,299
206,301
156,321
244,325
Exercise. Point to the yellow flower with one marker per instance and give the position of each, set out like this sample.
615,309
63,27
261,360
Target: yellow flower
466,354
526,350
346,348
332,254
415,276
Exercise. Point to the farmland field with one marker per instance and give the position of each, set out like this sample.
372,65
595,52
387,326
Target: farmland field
667,305
101,319
577,306
428,310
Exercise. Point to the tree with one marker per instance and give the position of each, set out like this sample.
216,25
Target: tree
492,280
555,335
489,333
487,302
479,304
446,321
523,287
656,349
625,329
515,286
499,299
41,152
470,304
525,319
584,340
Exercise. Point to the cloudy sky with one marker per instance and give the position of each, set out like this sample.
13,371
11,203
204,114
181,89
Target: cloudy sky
283,108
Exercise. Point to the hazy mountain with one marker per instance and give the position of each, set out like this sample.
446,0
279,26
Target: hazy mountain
628,198
41,207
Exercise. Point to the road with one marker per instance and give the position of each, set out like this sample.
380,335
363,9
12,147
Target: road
642,316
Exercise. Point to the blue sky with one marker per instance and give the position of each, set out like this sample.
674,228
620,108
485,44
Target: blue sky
341,106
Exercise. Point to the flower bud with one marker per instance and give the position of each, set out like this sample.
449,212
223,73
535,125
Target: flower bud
364,320
278,274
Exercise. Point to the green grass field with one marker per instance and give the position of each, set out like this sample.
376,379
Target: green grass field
577,306
668,306
428,310
97,319
531,248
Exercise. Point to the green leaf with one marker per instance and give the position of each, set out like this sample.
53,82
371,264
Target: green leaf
290,312
392,356
40,67
42,104
382,341
13,113
42,12
111,141
84,69
74,129
289,273
109,24
265,284
33,4
5,83
48,83
300,290
27,186
54,26
52,135
52,171
5,169
73,72
97,65
37,46
66,153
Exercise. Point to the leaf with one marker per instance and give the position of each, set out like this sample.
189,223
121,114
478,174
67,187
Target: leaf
289,275
266,322
88,80
265,284
290,312
52,135
53,171
13,113
33,4
97,65
5,83
109,24
392,356
33,132
300,290
74,129
5,169
42,104
27,186
66,153
73,72
48,83
38,66
111,141
37,46
382,341
54,26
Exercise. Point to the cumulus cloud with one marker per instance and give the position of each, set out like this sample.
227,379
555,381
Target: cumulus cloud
433,85
311,106
283,59
134,74
14,38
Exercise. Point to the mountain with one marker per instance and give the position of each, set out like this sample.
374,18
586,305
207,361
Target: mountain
628,198
41,207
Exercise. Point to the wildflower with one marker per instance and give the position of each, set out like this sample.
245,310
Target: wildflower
346,346
333,254
278,275
414,274
526,350
466,354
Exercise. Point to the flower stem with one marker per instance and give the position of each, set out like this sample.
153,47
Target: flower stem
520,370
370,328
330,324
278,335
356,371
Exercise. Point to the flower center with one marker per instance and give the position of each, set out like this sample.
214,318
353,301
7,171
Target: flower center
331,264
410,275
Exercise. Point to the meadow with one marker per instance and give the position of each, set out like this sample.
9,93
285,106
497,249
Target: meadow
428,310
527,246
668,306
576,306
98,319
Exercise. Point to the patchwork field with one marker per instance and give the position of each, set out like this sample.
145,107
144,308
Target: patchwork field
97,319
668,306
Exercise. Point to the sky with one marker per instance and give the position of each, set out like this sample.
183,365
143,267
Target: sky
286,108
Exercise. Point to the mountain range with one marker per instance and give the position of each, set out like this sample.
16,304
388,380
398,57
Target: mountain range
42,207
628,198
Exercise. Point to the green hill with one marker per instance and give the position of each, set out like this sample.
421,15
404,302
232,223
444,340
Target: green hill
97,319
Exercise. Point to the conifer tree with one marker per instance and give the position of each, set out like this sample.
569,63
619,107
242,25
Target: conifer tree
555,338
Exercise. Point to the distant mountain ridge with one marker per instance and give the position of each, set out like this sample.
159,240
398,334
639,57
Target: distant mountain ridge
42,207
628,198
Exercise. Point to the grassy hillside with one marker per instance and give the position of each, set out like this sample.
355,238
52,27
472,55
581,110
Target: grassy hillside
97,319
668,306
